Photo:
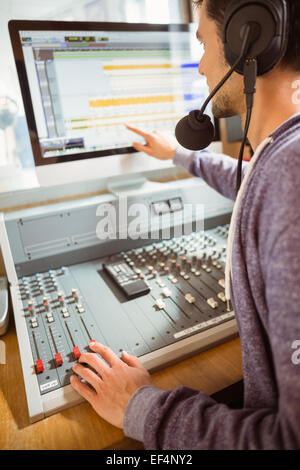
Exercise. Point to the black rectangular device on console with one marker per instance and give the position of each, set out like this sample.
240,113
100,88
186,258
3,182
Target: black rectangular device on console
131,284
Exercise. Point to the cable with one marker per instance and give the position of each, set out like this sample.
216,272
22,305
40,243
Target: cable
241,154
250,76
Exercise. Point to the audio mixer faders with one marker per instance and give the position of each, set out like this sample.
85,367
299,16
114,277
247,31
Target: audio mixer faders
59,328
179,293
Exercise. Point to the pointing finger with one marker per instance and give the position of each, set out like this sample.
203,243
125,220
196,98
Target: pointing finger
137,131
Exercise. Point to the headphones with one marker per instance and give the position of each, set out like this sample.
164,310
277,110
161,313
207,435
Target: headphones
255,37
269,22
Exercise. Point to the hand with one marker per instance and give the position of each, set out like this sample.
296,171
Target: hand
114,383
159,144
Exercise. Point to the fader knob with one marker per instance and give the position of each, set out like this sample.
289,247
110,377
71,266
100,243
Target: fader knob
58,359
39,366
173,264
76,352
75,294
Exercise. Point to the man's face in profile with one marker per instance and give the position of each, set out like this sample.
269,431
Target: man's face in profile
229,100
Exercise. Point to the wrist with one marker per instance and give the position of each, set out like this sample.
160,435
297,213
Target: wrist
172,153
137,409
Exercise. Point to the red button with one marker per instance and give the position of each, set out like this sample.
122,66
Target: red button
39,366
58,359
76,352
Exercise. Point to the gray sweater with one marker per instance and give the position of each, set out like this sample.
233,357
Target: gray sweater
266,300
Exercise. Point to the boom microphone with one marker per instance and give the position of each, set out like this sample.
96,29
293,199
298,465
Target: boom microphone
196,131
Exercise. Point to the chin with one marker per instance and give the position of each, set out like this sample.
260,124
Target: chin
223,111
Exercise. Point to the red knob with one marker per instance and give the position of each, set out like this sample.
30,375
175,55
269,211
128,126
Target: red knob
76,352
39,366
58,359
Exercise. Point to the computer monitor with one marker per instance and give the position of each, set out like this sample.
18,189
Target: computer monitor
82,81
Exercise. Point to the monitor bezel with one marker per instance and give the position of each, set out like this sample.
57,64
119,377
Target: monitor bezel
15,26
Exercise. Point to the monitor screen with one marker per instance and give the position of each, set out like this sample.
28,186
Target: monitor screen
81,82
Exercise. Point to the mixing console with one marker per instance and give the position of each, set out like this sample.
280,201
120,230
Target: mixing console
182,294
159,298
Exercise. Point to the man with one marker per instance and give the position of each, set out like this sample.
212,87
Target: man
265,276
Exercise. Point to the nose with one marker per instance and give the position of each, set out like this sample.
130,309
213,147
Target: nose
201,66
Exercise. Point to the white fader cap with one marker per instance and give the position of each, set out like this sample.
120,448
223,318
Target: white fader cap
3,306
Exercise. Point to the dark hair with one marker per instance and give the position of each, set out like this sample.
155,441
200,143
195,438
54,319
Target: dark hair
216,9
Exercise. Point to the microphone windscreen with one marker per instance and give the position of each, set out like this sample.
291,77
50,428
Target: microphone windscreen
195,132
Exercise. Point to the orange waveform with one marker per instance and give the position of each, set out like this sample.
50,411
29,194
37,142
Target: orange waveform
137,67
97,103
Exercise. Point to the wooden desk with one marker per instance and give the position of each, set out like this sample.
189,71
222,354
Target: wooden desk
80,428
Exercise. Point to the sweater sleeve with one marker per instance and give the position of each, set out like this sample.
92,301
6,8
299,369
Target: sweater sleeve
218,170
188,419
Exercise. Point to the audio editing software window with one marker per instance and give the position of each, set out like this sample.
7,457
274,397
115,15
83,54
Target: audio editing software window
85,86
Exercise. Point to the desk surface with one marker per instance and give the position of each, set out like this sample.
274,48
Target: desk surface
80,428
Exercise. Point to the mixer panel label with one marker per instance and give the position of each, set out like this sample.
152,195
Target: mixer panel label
48,385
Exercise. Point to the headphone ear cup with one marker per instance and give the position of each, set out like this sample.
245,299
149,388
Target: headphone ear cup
269,21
